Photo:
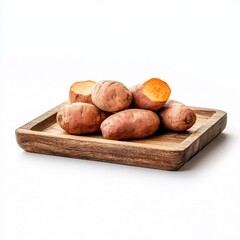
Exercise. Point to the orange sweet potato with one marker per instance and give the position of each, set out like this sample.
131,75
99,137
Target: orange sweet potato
151,95
130,123
81,91
80,118
176,116
111,96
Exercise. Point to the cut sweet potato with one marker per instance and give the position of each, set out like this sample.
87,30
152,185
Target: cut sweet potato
151,95
81,91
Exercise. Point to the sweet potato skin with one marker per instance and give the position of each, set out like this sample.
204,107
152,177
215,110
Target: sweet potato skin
77,97
111,96
140,100
130,123
80,118
174,103
177,117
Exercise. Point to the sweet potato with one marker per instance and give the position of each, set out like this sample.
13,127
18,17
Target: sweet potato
151,95
81,91
176,116
111,96
174,103
80,118
130,123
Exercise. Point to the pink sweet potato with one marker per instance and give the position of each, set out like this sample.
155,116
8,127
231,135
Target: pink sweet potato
130,123
176,116
111,96
80,118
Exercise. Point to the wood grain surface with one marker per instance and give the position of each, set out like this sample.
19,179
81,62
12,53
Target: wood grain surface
163,150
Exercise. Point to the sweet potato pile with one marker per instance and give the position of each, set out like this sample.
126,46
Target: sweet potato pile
123,113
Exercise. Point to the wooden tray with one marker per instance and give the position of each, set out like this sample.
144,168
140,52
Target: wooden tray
168,151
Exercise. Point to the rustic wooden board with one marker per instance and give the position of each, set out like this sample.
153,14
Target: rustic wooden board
167,151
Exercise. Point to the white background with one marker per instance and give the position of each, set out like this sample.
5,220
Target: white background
47,45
